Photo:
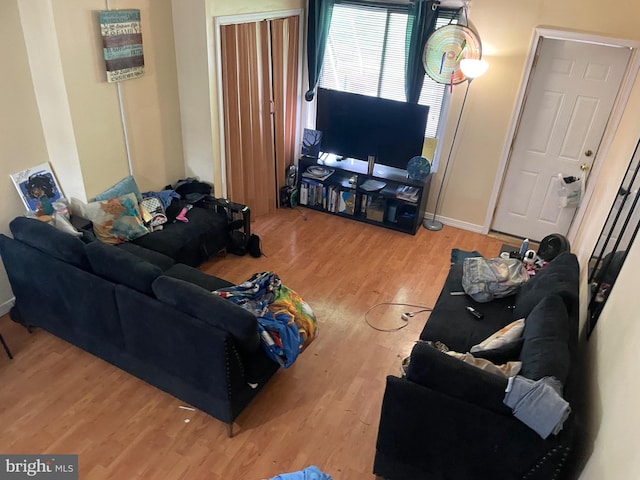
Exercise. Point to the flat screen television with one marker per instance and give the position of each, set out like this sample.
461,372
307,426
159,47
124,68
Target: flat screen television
357,126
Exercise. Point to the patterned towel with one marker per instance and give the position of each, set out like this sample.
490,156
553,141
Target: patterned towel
286,322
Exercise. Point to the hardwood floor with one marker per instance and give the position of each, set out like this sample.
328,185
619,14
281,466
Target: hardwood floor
322,411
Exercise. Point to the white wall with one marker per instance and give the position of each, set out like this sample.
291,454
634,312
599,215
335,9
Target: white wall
196,58
612,351
57,106
22,142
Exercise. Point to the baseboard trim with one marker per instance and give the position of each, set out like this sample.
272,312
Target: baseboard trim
6,306
452,222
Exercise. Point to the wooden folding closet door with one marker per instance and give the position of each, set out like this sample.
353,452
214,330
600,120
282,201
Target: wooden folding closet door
259,75
284,55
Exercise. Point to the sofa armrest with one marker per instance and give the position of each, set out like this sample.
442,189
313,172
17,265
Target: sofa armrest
424,433
210,308
189,358
441,372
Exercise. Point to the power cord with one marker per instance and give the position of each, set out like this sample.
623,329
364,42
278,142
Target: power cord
301,213
406,316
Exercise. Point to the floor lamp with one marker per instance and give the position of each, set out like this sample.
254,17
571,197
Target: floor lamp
472,69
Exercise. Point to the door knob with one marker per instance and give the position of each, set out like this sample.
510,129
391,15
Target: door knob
588,153
584,167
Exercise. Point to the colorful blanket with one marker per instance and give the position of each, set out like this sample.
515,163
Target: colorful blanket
286,322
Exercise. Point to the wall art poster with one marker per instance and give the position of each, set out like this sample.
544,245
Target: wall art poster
38,187
122,44
311,140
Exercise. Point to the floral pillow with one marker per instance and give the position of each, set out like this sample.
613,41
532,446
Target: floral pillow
116,220
505,335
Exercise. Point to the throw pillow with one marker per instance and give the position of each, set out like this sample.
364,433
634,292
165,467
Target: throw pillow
560,277
154,207
116,220
63,224
503,354
505,335
508,369
545,352
124,186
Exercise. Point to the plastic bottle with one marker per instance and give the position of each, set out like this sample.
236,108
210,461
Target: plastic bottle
524,247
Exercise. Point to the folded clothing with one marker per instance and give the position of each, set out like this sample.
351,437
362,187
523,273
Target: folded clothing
538,404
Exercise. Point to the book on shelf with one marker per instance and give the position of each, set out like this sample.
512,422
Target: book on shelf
312,193
346,202
408,193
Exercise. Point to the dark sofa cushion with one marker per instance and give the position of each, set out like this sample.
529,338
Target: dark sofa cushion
122,267
450,322
51,241
560,277
210,308
191,243
545,352
431,368
156,258
503,354
196,277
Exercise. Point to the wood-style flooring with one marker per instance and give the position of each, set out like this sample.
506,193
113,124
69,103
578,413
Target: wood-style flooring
323,411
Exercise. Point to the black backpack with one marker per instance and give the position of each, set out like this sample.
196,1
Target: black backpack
253,245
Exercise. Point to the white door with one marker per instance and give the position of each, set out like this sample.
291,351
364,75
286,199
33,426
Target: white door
568,104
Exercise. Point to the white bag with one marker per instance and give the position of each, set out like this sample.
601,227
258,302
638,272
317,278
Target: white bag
570,191
484,279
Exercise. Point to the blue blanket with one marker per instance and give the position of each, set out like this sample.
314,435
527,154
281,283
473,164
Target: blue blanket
286,323
309,473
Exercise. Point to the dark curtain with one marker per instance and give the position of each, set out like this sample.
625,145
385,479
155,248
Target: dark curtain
320,12
420,24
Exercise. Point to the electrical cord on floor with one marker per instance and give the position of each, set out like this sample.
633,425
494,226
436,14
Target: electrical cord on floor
301,213
406,316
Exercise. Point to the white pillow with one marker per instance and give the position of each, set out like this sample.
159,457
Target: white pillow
505,335
62,223
116,220
508,369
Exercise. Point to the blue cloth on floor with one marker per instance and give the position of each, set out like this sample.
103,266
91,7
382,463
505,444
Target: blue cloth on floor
309,473
458,256
538,404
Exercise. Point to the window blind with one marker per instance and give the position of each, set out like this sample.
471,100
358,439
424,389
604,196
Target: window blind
365,54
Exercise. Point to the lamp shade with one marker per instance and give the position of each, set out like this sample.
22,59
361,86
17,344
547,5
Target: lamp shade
473,68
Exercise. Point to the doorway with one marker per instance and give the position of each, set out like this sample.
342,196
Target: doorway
570,102
259,74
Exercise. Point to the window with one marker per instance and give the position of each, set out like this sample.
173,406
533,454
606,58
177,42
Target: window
365,54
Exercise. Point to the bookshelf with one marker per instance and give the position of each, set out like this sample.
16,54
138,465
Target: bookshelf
387,197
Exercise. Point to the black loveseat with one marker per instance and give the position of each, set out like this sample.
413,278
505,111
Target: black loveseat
446,419
150,317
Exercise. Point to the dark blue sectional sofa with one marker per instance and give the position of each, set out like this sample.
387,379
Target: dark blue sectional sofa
139,310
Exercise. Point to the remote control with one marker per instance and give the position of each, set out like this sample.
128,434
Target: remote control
474,312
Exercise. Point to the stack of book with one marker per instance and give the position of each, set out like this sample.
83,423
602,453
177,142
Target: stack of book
407,193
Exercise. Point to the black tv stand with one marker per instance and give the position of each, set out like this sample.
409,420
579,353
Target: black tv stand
387,197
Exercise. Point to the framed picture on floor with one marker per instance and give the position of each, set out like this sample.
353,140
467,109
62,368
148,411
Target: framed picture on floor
37,187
